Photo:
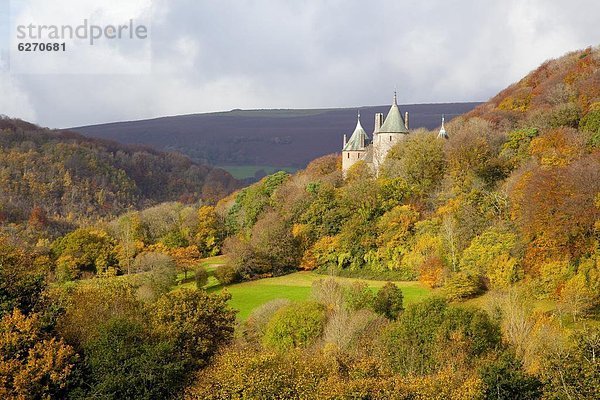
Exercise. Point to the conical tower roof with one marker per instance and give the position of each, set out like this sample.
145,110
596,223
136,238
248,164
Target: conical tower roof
443,134
358,139
394,123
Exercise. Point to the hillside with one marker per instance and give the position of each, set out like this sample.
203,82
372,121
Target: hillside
560,92
64,176
512,198
281,138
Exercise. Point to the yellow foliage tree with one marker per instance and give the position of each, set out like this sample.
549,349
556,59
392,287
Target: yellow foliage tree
32,365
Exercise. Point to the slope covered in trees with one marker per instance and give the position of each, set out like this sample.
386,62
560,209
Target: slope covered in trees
512,196
61,176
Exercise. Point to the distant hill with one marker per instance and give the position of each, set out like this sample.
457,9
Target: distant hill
280,138
64,176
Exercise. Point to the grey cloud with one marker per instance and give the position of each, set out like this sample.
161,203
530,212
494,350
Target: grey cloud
219,55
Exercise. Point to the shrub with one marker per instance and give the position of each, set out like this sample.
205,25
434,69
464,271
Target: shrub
197,322
430,335
200,277
21,284
125,362
227,274
505,379
297,325
462,286
388,301
358,296
248,374
591,121
255,326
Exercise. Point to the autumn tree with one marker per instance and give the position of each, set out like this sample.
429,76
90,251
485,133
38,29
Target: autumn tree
197,323
33,364
555,209
419,160
209,235
493,255
21,282
84,250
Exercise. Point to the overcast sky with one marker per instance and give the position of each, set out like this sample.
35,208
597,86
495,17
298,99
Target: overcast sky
220,55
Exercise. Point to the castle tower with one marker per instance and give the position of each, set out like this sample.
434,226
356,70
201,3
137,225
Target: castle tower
393,130
442,134
355,149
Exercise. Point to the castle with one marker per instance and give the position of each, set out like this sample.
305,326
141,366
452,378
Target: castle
387,132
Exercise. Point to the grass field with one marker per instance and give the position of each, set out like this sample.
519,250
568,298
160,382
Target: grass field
247,296
248,171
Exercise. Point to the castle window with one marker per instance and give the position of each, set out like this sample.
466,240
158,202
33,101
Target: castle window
348,155
390,138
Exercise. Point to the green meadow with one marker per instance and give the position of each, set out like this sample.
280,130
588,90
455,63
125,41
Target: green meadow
248,171
247,296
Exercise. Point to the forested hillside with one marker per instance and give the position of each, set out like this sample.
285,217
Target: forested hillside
58,176
512,195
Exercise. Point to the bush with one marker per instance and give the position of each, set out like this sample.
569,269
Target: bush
297,325
431,335
463,286
255,326
591,121
249,374
227,274
388,301
197,322
125,362
358,296
200,277
505,379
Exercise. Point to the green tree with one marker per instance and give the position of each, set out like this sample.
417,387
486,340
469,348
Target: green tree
505,379
419,160
388,301
197,323
124,361
200,277
296,325
85,250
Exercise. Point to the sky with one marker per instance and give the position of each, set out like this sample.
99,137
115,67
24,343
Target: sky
219,55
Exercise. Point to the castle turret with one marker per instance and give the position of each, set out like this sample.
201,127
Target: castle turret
393,130
355,148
